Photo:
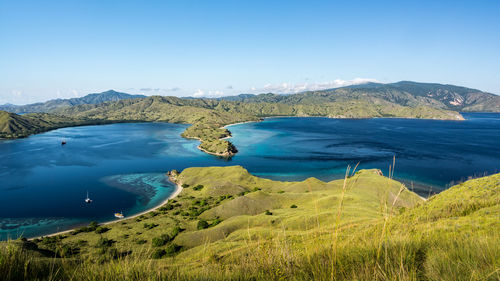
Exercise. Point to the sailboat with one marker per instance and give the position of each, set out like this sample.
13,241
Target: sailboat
88,200
63,142
119,215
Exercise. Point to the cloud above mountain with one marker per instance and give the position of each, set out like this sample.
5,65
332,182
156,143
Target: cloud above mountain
282,88
173,89
208,94
18,96
289,88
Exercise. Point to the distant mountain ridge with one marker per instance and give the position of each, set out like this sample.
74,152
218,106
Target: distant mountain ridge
404,93
54,104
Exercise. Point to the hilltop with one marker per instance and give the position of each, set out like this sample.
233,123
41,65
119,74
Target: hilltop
227,224
52,105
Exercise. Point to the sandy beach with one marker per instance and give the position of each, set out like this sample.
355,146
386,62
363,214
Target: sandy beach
225,127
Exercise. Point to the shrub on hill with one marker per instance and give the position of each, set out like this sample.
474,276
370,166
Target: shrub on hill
198,187
202,224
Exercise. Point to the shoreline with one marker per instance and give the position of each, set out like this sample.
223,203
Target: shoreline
358,118
208,152
238,123
224,138
288,116
216,154
177,191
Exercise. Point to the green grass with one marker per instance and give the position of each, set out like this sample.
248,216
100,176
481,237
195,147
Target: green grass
238,226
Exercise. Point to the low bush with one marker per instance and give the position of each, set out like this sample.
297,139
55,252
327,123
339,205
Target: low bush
172,249
104,242
101,229
158,253
150,225
162,240
202,224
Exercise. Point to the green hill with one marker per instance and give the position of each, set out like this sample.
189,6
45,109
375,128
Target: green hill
229,225
18,126
404,93
308,104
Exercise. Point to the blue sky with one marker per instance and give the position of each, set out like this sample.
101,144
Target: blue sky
51,49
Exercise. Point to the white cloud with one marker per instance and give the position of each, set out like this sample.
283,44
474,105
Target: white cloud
208,94
199,93
287,88
173,89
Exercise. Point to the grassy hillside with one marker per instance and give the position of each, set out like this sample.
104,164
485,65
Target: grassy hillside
228,224
404,93
18,126
308,104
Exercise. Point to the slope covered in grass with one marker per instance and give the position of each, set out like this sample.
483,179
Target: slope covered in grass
403,93
17,126
228,224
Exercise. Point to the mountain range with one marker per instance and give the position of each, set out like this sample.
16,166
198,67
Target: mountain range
54,104
405,93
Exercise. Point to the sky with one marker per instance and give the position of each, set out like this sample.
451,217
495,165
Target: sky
62,49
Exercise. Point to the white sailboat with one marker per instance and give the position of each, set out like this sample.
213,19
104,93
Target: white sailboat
88,200
119,215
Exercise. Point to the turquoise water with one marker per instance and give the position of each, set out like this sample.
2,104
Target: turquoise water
43,184
430,155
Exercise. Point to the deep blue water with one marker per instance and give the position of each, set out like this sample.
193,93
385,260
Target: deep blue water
43,184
